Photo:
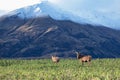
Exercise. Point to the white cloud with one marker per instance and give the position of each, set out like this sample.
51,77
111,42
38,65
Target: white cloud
106,12
9,5
87,4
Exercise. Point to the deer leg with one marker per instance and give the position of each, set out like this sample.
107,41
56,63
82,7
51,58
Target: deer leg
82,62
89,62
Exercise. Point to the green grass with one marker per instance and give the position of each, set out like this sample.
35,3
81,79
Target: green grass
66,69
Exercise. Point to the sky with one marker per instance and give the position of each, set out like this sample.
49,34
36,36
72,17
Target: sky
100,5
94,5
9,5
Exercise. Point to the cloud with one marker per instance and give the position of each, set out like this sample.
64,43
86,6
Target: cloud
107,5
10,5
106,12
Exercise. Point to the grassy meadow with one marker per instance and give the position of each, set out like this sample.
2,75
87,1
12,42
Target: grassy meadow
66,69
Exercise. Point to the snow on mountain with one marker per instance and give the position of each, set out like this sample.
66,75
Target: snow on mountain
106,19
3,12
46,8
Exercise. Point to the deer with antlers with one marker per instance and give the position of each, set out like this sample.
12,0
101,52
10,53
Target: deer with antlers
83,58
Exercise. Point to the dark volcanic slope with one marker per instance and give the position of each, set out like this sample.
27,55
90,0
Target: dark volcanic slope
42,37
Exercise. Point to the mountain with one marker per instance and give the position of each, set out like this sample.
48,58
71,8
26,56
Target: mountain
43,30
3,12
44,36
45,8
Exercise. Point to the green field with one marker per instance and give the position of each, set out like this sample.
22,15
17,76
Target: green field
66,69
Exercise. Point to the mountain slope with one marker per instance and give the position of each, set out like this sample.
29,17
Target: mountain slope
44,36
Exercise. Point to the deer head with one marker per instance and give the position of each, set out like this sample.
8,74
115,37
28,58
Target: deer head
78,54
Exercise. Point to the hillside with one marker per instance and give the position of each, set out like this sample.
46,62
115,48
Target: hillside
44,36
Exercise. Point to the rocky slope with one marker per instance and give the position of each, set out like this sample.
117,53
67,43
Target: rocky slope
44,36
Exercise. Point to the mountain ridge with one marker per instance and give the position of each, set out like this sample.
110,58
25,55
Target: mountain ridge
44,36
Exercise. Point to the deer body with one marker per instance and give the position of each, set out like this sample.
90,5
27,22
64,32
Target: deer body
55,59
86,59
83,58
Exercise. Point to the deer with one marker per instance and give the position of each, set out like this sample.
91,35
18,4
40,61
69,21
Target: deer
55,59
84,58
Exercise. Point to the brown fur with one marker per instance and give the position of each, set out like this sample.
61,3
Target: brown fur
55,59
84,58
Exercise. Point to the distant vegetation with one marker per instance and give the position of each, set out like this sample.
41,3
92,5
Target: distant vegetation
66,69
